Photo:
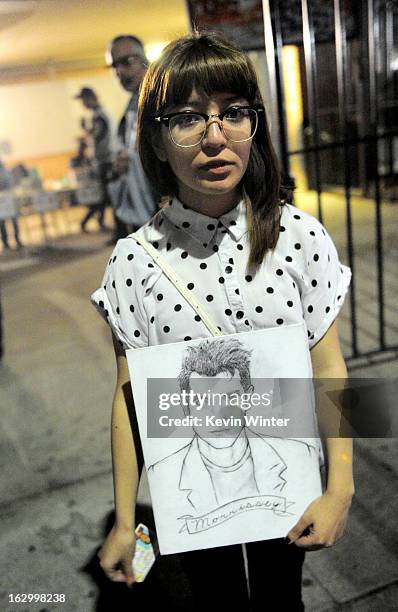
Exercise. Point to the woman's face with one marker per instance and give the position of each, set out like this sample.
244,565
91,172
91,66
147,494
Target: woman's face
208,173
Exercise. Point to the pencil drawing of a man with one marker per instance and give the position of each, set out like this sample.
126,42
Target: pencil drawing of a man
225,461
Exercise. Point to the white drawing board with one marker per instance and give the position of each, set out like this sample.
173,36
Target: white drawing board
229,436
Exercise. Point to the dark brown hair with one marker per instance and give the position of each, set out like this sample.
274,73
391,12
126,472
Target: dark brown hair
207,62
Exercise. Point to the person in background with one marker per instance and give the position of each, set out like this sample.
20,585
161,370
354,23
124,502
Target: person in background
133,198
7,183
100,132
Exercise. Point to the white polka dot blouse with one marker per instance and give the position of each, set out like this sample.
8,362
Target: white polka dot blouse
301,279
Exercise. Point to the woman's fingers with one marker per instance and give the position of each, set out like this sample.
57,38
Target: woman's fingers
303,523
116,575
128,572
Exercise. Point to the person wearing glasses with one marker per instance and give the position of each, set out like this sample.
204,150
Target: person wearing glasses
133,198
254,262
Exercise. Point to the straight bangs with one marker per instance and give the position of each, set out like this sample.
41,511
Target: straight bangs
206,68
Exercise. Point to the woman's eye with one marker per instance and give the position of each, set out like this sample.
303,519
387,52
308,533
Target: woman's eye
235,114
187,120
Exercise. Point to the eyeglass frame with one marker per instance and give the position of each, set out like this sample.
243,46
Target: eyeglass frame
166,120
125,61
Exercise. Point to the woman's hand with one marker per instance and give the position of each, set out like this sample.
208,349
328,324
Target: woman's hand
116,555
323,522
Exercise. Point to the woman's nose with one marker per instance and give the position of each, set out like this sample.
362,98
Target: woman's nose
214,136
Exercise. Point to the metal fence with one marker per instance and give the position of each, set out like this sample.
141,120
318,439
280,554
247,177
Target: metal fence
348,57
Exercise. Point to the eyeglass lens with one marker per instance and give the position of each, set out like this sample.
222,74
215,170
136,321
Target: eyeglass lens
125,61
187,130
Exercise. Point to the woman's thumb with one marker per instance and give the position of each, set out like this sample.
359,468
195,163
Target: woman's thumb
128,572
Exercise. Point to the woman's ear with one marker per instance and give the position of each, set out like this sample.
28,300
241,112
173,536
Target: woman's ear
158,147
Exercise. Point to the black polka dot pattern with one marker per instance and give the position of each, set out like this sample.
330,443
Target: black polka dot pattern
300,278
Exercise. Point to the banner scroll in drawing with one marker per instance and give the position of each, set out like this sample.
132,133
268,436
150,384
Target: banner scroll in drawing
229,436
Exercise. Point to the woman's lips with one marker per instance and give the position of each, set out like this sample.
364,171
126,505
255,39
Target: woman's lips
217,169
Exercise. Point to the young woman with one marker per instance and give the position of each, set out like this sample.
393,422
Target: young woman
253,261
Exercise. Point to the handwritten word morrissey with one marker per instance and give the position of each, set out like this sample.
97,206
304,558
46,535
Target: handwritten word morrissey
277,505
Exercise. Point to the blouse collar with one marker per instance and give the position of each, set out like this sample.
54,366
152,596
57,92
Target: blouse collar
201,227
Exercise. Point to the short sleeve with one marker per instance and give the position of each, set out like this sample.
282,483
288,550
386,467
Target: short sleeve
119,300
325,282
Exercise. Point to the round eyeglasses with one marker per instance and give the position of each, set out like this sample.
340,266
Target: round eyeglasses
126,60
188,128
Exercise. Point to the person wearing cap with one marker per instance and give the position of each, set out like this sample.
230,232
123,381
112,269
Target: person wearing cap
100,132
134,200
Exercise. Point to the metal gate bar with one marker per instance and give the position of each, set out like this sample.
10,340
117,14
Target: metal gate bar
373,40
342,88
311,78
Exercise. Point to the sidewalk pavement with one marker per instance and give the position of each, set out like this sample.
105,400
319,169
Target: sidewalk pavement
56,488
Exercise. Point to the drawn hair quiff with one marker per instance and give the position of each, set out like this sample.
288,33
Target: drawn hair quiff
208,62
210,358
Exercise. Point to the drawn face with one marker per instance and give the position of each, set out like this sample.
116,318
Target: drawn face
221,394
215,166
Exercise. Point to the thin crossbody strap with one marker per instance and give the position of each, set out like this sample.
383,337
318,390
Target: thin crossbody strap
178,284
